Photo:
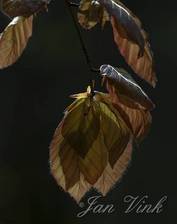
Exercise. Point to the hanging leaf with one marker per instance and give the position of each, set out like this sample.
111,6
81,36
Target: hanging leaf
14,39
25,8
90,13
122,86
76,169
131,39
129,36
142,65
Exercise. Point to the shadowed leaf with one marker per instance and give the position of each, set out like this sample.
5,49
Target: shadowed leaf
90,13
129,36
25,8
121,85
142,65
131,40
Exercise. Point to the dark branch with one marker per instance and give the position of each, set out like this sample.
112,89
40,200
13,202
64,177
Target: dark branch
88,60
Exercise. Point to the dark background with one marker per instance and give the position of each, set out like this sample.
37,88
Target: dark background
33,94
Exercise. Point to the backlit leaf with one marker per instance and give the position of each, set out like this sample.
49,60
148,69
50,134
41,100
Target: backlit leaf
118,136
139,121
81,127
14,39
108,152
129,36
142,64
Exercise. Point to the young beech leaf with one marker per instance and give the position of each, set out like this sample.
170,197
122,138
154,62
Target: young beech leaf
137,119
90,13
14,39
142,65
118,136
120,84
81,127
25,8
129,36
131,39
85,155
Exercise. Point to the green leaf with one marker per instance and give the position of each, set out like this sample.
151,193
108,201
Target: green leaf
81,126
116,132
81,158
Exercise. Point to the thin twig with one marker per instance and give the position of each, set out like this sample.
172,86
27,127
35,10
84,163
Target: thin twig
88,60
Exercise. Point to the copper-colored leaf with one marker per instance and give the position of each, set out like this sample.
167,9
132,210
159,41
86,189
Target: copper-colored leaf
139,121
121,84
25,8
129,36
126,20
131,39
143,65
14,40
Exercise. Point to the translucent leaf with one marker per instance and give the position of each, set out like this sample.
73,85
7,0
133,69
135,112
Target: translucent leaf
129,36
122,87
110,175
81,127
63,172
76,173
25,8
142,64
14,40
117,138
139,121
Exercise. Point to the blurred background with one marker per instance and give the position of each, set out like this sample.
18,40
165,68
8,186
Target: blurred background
34,93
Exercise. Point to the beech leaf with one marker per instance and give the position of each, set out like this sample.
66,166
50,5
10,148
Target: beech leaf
90,13
81,127
131,39
14,39
122,86
100,159
139,121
